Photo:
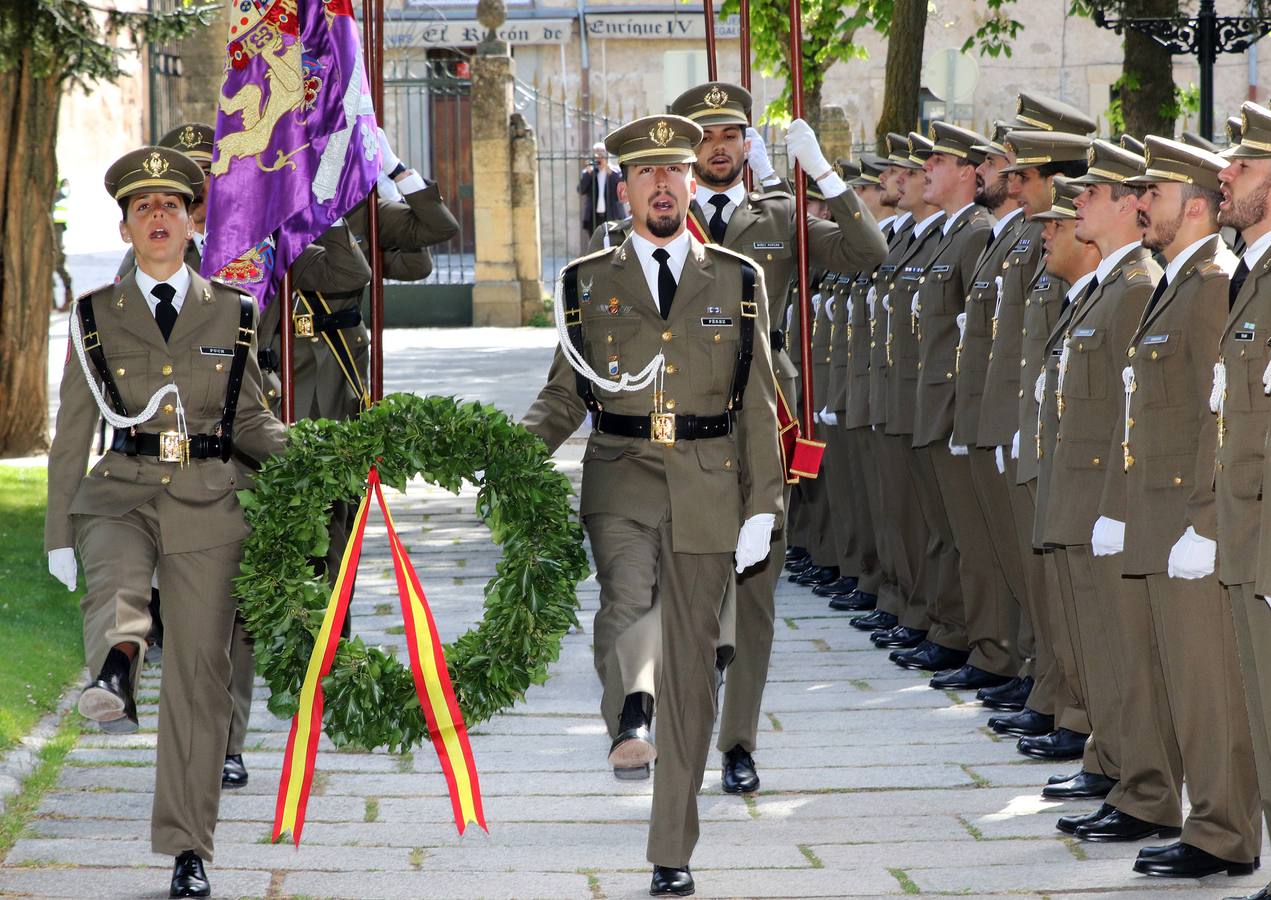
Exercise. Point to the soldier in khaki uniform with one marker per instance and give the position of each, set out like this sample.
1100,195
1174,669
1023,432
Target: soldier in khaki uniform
161,499
675,483
1244,410
761,226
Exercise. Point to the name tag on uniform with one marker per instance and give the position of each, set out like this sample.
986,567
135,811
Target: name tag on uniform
770,245
216,351
886,270
981,285
940,270
1058,351
716,321
1243,336
1156,339
863,279
1083,332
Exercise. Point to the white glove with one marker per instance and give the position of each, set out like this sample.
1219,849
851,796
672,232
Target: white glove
758,157
1193,556
1039,388
388,159
816,417
1001,462
754,541
62,566
1108,537
387,188
1015,446
957,449
828,417
801,143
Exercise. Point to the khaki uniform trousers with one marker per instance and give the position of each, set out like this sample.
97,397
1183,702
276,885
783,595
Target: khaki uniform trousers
992,488
1036,632
854,540
906,533
642,578
991,622
1252,616
242,681
941,581
1069,700
119,555
816,529
1199,662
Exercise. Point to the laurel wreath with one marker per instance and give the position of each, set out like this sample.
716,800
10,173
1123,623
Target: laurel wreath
370,698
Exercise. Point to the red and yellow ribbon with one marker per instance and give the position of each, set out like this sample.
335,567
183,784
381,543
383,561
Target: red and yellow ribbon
428,667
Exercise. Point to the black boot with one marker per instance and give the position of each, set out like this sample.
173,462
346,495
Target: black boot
188,877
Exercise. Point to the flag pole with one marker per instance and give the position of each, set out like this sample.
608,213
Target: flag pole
712,60
285,366
743,15
373,48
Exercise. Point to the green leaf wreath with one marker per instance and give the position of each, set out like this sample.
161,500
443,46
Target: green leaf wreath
370,698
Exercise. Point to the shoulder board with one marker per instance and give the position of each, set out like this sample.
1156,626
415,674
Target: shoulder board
774,194
1209,268
618,225
217,282
1134,273
733,253
604,251
92,291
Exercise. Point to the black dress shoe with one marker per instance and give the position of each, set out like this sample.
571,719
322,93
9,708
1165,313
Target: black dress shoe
1059,744
1082,786
1009,697
234,773
1026,723
1264,894
899,637
798,567
633,747
1120,826
1185,861
966,678
929,656
1070,824
109,696
739,775
878,620
188,877
840,587
1055,779
816,575
857,601
669,881
794,553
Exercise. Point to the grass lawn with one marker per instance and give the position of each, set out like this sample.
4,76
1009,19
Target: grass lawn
40,644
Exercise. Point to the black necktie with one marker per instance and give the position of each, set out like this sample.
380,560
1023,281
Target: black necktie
165,314
1156,295
1237,282
666,282
717,224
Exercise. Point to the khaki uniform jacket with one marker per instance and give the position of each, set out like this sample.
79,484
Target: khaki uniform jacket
196,503
898,330
1049,414
942,294
1090,422
407,229
1041,314
1238,478
711,486
1004,389
1167,466
875,330
851,350
822,339
837,389
983,302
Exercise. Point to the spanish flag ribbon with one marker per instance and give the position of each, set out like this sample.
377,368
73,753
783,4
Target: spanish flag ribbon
428,666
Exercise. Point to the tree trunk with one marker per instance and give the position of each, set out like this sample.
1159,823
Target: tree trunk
28,139
904,70
1147,74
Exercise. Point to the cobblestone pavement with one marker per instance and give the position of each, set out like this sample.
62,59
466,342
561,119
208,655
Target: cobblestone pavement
873,784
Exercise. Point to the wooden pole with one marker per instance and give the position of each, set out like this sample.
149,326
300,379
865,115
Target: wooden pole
712,60
373,48
743,16
801,223
285,365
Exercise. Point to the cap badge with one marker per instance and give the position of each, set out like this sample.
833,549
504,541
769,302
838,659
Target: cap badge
931,131
1147,156
189,137
661,134
155,164
1244,122
1091,155
715,97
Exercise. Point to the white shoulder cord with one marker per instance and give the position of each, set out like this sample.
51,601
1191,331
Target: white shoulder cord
1063,370
997,309
113,418
650,374
1127,379
1216,394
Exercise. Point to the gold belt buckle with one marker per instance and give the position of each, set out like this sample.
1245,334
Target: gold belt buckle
171,448
304,325
662,428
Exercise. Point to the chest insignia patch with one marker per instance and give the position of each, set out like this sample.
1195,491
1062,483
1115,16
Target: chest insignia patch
1083,332
1156,339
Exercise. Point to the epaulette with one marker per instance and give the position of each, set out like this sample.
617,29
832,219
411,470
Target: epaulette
740,257
91,291
225,284
1135,273
597,254
1210,268
773,194
618,224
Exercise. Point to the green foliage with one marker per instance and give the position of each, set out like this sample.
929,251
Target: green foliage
994,37
40,649
77,40
370,698
1115,113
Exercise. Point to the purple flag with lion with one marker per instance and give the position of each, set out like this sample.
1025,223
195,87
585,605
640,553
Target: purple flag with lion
296,145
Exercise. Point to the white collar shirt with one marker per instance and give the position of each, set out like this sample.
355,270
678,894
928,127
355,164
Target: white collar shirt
678,250
735,194
180,281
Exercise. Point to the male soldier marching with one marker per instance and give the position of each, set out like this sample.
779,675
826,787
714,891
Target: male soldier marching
680,475
161,499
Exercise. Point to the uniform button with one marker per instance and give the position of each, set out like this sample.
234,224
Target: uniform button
872,345
1005,266
1021,393
273,393
166,479
1155,355
670,369
1024,333
717,337
1129,422
1095,461
1028,302
167,369
769,257
220,367
105,473
919,366
948,376
728,464
120,371
856,215
1081,346
1023,363
1177,480
1242,353
1130,352
608,338
666,335
670,404
167,408
359,338
922,280
891,285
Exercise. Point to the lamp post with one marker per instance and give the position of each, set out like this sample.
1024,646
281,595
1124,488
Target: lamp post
1204,36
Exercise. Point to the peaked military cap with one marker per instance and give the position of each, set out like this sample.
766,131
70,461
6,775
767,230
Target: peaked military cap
898,151
1175,161
1062,194
715,103
919,149
811,189
1106,163
872,166
955,141
1131,143
1036,111
194,139
658,140
847,169
154,169
1255,132
1193,139
1038,148
1234,130
996,145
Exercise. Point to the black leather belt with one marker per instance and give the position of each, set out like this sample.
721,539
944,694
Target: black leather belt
324,323
686,428
777,339
165,446
267,359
